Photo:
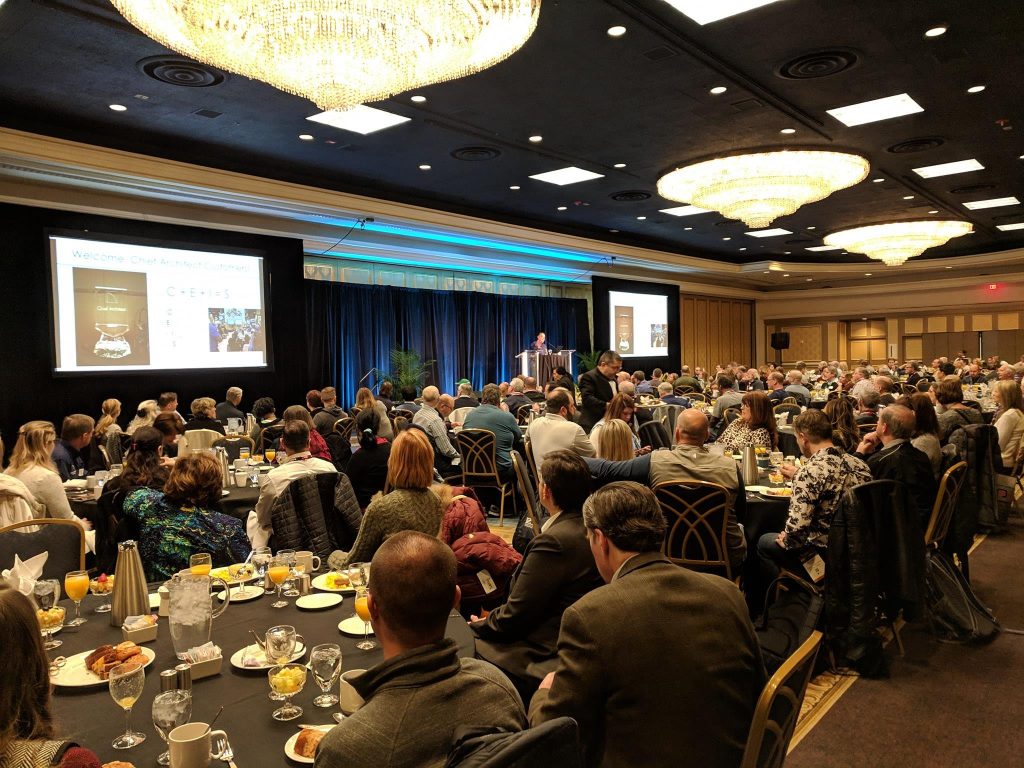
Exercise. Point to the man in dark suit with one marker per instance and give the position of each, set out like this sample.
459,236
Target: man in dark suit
661,666
557,569
597,388
891,456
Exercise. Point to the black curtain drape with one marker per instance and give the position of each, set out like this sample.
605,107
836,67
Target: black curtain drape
351,329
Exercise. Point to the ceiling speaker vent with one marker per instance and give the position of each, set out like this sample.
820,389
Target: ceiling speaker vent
921,144
818,64
631,196
175,70
476,154
660,53
970,189
211,113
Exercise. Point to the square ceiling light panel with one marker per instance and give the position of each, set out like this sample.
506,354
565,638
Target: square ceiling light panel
769,232
707,11
995,202
361,119
564,176
875,110
1010,227
948,169
818,248
685,210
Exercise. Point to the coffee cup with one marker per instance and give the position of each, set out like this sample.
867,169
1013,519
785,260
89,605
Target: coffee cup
241,478
348,699
308,561
189,745
239,464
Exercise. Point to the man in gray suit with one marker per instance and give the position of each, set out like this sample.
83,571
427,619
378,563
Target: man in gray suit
661,666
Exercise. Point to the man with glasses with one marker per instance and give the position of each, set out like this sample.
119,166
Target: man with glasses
597,388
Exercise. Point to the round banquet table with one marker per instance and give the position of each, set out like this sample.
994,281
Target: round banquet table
763,514
90,717
237,504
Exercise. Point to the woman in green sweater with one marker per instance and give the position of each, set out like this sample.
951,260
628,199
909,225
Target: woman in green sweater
407,504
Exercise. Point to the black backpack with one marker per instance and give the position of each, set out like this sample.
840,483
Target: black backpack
954,613
790,620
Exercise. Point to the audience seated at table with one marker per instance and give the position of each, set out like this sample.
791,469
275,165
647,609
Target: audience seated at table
29,737
557,569
755,426
926,429
144,466
515,399
68,452
229,408
727,398
407,504
615,440
660,667
171,428
556,430
328,413
867,405
106,427
145,414
1009,421
317,445
953,414
422,691
365,401
622,407
180,520
845,432
465,397
430,419
265,413
31,463
665,394
891,456
204,415
507,435
368,467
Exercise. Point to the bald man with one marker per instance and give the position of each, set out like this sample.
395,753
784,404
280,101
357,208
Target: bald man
689,460
891,456
431,418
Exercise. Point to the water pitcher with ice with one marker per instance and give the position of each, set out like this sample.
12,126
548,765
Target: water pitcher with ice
191,609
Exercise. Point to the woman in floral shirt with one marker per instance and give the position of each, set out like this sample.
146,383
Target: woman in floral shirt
179,521
755,426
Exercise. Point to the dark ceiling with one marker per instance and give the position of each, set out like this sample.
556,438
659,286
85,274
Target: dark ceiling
642,99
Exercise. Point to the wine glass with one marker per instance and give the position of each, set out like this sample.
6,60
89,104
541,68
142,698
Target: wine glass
270,454
279,648
126,683
261,557
288,555
200,564
775,458
102,586
363,612
278,572
325,664
170,709
356,575
76,585
286,680
244,452
49,614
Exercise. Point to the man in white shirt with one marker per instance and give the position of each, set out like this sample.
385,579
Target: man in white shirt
295,463
557,431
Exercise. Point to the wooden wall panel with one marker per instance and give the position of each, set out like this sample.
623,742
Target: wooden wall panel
715,331
913,325
1008,321
981,322
938,324
912,348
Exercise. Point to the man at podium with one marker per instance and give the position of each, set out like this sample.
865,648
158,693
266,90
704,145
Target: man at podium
541,344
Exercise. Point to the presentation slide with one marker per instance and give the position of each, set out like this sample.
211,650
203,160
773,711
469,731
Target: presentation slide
131,307
639,324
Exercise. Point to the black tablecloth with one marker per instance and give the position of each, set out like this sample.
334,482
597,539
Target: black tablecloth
764,514
90,717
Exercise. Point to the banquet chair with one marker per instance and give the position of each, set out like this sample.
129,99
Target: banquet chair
654,434
344,426
729,415
788,401
233,446
683,390
945,505
526,488
909,389
531,462
63,539
697,513
197,440
458,416
269,437
552,744
523,413
479,452
695,397
791,408
778,708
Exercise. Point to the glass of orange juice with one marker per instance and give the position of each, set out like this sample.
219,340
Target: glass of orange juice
76,585
278,572
363,612
200,564
270,454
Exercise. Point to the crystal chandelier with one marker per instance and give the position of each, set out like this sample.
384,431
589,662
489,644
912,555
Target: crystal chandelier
340,53
761,186
894,243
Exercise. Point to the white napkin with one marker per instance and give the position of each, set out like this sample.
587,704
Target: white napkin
25,573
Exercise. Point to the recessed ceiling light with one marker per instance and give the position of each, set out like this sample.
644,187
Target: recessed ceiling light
788,131
823,248
1010,227
948,169
614,231
727,238
786,253
361,119
616,31
424,167
564,176
718,90
976,89
994,202
867,274
514,186
767,272
875,110
933,211
418,99
743,249
811,227
562,208
809,279
908,197
704,12
306,136
119,107
948,267
619,165
936,31
685,210
536,138
687,229
769,232
877,181
641,218
786,274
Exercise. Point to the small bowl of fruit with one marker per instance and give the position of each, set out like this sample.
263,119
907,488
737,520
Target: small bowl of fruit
103,586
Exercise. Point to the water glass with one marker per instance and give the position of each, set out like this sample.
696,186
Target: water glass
170,709
49,614
280,647
261,557
325,664
126,683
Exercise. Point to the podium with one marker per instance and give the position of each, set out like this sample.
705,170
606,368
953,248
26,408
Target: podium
541,365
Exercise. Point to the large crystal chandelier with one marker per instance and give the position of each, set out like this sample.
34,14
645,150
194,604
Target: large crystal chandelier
894,243
761,186
340,53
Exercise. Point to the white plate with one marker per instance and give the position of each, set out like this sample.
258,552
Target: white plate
779,493
222,573
757,488
319,601
320,582
242,594
74,673
236,658
225,493
353,625
289,746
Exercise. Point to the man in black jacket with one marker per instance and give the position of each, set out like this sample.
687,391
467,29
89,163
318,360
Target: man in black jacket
597,388
891,456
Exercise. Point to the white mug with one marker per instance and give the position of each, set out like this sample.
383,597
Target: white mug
241,479
239,464
306,560
348,699
189,745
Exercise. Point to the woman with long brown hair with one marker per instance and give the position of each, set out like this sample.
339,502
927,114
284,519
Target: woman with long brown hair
845,432
145,465
926,429
407,503
755,425
622,408
317,445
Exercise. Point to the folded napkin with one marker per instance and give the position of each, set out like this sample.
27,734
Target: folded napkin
68,484
25,573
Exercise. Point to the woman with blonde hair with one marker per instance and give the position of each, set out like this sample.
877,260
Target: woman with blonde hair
407,503
31,463
317,445
616,441
622,408
145,414
366,401
1009,421
110,410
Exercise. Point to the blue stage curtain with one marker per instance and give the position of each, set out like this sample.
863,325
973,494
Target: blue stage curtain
353,328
